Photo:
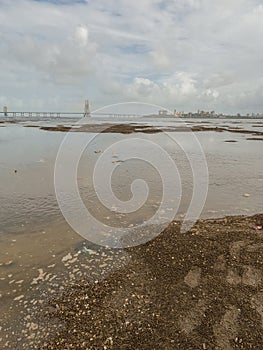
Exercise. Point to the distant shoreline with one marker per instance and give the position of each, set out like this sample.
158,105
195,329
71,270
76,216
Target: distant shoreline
76,115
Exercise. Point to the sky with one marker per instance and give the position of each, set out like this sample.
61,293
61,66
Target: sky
183,54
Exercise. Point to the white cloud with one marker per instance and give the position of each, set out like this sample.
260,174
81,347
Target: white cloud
176,91
186,54
81,35
213,93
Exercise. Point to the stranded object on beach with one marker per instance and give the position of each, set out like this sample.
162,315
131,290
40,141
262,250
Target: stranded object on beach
89,251
258,227
246,195
7,263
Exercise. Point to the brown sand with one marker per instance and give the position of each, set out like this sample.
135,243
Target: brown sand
199,290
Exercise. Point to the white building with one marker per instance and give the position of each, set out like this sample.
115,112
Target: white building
163,112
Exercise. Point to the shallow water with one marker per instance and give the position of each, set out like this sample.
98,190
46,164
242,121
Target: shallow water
27,158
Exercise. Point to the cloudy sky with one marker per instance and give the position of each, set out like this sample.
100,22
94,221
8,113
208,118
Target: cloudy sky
184,54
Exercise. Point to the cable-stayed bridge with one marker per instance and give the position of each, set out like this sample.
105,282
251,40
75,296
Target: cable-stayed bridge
17,114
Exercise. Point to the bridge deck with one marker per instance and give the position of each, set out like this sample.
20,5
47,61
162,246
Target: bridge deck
60,114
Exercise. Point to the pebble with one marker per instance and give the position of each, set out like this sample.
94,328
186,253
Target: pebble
19,298
32,326
72,261
20,282
48,276
51,266
67,257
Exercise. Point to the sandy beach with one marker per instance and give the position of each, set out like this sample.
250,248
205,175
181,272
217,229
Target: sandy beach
202,289
199,290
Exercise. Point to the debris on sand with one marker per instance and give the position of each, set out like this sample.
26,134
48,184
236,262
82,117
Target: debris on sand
7,263
87,250
41,277
67,257
19,298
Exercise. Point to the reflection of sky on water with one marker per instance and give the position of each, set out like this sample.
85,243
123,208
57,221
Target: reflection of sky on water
28,195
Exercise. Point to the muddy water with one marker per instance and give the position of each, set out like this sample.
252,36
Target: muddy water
33,231
27,159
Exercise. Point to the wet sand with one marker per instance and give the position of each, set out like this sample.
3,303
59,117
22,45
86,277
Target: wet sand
91,126
147,129
198,290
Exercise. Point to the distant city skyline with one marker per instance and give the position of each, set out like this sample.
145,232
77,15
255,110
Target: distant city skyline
121,110
188,55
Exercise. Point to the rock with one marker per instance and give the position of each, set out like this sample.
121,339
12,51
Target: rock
246,195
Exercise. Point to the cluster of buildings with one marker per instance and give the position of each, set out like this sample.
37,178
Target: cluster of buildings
205,114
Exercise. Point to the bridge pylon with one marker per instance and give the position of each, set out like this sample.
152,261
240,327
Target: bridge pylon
87,109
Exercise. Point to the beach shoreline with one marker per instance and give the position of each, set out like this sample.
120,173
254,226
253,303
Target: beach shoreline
198,290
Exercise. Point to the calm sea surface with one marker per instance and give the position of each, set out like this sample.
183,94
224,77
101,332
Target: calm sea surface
27,158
